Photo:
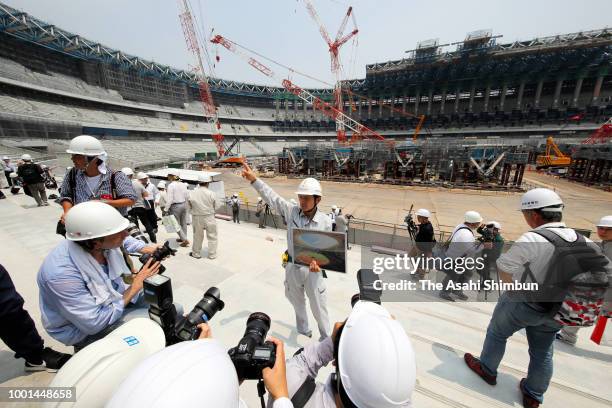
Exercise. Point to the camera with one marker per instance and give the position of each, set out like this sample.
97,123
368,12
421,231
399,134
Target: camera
253,353
486,234
158,294
411,225
159,255
202,312
136,233
367,291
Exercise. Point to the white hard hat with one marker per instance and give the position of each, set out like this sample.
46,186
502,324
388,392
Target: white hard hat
26,157
422,212
85,145
309,186
472,217
234,195
540,198
495,224
605,222
258,198
93,219
43,166
127,171
13,175
376,361
203,178
5,158
173,172
189,374
161,184
141,176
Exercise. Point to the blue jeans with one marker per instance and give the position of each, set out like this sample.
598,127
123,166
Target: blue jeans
510,316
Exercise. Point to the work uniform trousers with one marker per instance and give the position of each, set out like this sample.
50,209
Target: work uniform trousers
299,281
180,213
200,224
38,193
17,329
142,214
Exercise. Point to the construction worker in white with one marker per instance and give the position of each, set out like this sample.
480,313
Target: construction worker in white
202,204
300,280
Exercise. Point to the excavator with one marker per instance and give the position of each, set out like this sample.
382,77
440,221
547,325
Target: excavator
553,157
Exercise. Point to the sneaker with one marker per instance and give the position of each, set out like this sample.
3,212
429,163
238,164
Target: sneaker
528,401
560,337
51,361
307,334
191,254
212,257
461,295
46,204
446,296
474,364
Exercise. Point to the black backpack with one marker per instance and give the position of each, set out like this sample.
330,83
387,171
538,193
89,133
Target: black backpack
574,287
30,173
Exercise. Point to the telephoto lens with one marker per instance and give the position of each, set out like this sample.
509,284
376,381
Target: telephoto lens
202,312
135,232
253,353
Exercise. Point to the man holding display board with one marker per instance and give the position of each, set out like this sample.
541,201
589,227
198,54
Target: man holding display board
300,280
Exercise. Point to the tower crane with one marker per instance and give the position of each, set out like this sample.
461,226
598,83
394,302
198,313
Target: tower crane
359,131
334,50
208,104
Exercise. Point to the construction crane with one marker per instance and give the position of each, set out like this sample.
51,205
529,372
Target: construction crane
359,131
334,50
601,135
558,159
208,104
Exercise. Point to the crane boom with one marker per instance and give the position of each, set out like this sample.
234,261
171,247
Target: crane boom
208,104
360,131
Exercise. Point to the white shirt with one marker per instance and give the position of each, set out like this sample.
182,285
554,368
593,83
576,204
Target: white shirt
463,243
202,201
534,249
92,183
152,190
177,193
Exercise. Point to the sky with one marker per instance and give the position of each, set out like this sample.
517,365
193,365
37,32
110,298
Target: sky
283,31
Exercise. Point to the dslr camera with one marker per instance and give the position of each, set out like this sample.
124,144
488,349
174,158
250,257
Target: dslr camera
253,353
486,234
158,294
159,255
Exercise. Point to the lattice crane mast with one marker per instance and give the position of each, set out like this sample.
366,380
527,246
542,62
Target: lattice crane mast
359,131
334,50
208,104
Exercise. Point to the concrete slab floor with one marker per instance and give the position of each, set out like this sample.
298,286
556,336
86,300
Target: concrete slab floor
250,277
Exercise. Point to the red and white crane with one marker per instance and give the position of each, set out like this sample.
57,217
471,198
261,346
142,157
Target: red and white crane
359,131
208,104
336,67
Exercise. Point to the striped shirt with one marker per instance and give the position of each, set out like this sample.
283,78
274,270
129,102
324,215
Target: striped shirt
83,193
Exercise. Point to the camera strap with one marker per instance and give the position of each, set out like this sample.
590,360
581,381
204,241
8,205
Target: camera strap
303,394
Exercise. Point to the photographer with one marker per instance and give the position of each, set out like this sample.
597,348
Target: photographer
490,234
91,179
424,238
462,245
201,374
83,295
373,358
33,179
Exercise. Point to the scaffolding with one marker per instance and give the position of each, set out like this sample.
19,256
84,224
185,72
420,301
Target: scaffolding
447,163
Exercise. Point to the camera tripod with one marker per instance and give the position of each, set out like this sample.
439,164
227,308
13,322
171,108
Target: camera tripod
267,212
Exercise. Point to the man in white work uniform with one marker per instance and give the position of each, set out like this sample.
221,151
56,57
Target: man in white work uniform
202,203
300,280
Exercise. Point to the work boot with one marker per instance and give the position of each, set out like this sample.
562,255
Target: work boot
474,364
528,401
185,243
446,296
51,361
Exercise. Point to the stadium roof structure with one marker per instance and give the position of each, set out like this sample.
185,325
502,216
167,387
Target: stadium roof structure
583,39
25,27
